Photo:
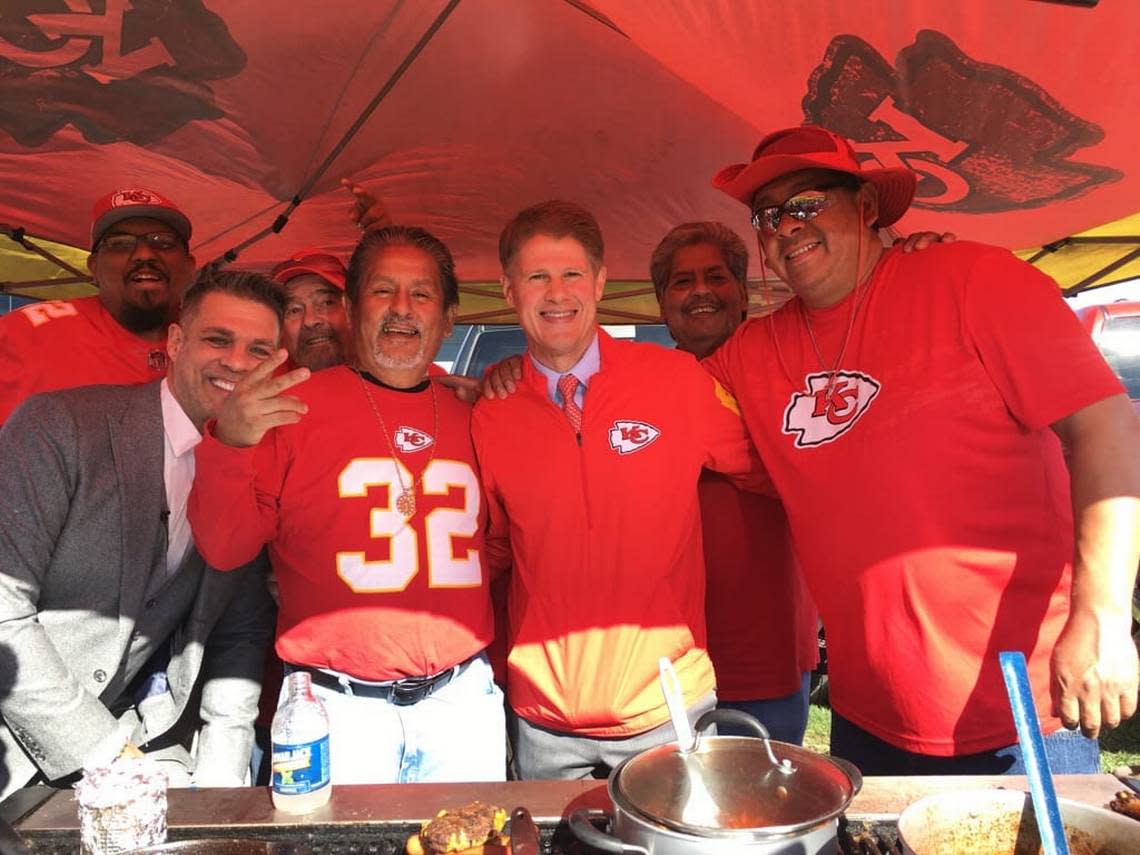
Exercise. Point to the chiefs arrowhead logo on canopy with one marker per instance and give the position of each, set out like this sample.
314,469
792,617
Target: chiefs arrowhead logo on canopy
1014,154
114,71
409,439
627,436
822,414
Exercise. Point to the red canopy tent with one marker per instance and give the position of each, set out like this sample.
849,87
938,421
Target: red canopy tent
1020,116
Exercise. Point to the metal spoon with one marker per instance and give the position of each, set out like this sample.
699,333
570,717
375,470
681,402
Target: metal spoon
675,701
699,807
1045,806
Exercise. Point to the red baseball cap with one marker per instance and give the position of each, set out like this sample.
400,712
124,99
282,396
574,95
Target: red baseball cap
120,205
811,147
315,261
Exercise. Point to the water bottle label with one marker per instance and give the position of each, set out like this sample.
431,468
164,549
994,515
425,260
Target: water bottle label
300,768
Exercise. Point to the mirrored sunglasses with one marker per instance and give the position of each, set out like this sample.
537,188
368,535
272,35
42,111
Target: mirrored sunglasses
158,241
803,206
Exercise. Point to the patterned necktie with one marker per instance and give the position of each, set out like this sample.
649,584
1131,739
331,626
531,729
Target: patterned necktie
568,385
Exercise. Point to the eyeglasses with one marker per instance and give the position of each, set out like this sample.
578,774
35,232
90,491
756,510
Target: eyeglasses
803,206
124,242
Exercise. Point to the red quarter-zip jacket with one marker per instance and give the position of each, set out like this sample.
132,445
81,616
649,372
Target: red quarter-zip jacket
602,533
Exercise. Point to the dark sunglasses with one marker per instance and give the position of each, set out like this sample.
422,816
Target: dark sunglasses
803,206
123,242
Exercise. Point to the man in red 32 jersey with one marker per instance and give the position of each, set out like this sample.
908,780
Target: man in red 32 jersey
364,486
141,262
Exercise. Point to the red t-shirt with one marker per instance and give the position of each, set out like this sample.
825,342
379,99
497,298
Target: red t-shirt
362,590
61,344
928,497
762,623
604,535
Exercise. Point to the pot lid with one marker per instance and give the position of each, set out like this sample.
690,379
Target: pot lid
728,786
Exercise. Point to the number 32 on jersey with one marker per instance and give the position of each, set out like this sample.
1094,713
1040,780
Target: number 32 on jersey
440,526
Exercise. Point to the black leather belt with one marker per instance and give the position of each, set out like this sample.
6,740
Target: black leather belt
402,693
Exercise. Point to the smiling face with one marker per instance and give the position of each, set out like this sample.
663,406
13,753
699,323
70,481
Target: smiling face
399,318
141,287
818,257
555,289
702,302
223,339
316,331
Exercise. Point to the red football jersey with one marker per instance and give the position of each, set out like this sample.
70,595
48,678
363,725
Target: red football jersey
61,344
602,533
927,495
762,622
363,590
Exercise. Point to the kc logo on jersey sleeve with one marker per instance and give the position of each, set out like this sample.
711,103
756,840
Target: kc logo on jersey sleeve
821,415
409,439
627,436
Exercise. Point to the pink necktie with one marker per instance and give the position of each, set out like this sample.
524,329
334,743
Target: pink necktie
568,385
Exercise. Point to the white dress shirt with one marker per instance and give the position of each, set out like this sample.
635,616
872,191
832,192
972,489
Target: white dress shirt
178,475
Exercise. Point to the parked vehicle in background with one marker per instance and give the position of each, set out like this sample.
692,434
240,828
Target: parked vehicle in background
11,302
485,344
1115,328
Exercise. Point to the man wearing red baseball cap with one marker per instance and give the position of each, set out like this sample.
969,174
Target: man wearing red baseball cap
140,261
316,331
911,409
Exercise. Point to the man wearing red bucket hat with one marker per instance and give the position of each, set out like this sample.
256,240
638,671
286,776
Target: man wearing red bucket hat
140,260
911,409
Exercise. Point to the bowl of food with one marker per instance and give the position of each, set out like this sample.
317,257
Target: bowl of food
1002,822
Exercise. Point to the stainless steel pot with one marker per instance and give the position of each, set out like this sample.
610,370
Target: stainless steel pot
1001,822
728,794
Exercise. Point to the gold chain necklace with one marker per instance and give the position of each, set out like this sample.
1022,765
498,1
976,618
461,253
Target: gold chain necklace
406,501
834,370
858,299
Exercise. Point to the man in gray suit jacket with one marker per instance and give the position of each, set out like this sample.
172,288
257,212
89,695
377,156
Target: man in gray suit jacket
99,580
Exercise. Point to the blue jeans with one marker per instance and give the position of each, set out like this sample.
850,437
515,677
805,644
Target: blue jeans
785,718
1067,750
456,734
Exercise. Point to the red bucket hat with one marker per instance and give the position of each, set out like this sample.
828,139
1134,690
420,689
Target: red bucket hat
315,261
810,147
120,205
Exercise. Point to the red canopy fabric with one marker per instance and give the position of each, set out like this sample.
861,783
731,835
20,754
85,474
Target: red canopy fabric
1020,115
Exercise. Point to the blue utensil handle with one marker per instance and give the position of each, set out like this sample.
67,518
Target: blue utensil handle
1016,676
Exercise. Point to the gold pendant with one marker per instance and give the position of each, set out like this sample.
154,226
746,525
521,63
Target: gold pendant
406,503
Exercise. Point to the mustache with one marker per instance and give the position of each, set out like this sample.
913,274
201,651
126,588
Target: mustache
391,317
701,302
320,330
146,264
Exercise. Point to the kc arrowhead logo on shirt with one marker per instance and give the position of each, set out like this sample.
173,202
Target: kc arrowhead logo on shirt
821,415
627,437
409,439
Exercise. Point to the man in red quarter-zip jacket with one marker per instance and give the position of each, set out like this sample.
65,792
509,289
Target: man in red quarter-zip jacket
590,472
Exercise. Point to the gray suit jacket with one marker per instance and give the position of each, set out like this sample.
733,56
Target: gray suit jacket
82,531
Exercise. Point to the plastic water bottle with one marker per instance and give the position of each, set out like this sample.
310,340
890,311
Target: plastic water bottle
300,735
